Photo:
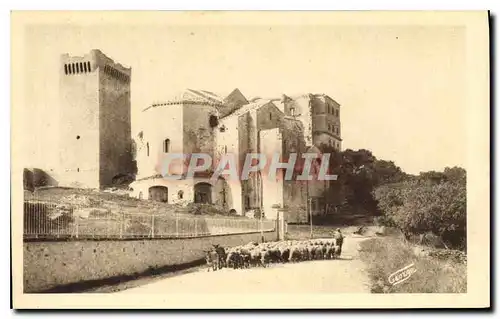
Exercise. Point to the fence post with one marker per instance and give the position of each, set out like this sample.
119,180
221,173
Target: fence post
122,219
76,226
196,227
153,226
176,225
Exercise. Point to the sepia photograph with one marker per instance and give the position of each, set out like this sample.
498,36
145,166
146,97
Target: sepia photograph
279,159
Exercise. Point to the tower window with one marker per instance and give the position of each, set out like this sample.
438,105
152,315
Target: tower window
81,67
147,148
77,68
270,116
225,149
166,145
213,121
72,68
88,66
292,111
78,137
65,69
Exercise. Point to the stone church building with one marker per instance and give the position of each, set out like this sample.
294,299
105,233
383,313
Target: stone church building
96,143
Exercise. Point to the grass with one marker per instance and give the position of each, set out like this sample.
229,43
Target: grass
117,203
383,256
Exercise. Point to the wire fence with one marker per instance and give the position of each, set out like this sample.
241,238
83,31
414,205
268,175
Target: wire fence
49,220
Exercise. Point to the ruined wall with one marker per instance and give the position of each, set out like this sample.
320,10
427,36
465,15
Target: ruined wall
303,112
228,141
199,136
227,137
271,142
269,117
294,191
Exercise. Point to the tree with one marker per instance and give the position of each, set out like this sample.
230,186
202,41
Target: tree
435,202
359,172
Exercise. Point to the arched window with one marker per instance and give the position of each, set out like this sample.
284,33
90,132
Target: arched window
166,145
180,194
147,148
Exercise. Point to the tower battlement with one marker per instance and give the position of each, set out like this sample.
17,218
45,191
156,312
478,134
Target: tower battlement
88,63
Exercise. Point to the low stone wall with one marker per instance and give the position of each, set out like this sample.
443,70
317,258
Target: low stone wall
52,264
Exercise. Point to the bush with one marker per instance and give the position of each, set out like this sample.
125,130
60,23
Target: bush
205,209
421,206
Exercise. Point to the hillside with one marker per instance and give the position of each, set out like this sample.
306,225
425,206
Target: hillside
114,202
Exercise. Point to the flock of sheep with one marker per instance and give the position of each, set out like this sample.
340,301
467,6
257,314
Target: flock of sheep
254,254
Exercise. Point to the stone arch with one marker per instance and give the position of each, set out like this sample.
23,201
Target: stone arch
158,193
203,193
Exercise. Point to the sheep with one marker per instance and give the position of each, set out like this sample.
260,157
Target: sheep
256,258
212,260
233,259
253,254
285,254
295,254
221,253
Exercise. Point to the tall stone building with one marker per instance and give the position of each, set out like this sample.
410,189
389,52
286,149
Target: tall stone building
196,121
95,124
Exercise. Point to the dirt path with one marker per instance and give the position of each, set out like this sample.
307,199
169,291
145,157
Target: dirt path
328,276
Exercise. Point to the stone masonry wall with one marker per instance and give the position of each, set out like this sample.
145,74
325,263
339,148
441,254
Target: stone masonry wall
51,264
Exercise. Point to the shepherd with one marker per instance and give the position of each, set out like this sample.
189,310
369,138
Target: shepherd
339,241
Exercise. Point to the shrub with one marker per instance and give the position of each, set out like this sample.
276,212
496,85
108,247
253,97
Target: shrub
432,205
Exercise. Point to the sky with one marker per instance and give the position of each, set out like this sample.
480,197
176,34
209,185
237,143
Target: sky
401,88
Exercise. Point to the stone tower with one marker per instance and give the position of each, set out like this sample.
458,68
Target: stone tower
95,126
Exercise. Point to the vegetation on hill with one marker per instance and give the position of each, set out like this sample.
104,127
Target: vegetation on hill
433,202
116,202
